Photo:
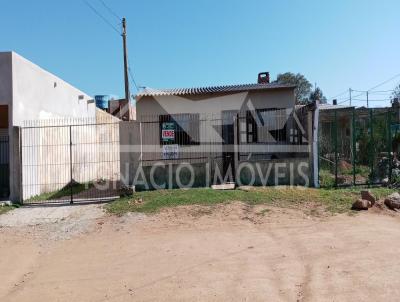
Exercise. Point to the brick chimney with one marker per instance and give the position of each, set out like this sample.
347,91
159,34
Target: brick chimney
263,78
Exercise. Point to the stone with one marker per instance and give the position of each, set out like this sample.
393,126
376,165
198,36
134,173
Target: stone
366,195
361,205
126,191
227,186
385,182
393,201
395,196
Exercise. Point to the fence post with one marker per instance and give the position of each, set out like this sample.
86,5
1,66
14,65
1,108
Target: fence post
371,146
236,142
336,150
389,143
354,147
70,165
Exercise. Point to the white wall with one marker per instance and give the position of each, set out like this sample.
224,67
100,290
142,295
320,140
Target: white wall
38,94
32,93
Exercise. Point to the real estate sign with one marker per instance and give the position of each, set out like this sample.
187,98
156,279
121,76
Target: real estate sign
170,152
168,132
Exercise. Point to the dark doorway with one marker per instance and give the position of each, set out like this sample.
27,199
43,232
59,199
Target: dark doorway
4,167
228,148
4,153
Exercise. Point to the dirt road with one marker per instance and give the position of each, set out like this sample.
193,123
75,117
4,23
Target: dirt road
228,253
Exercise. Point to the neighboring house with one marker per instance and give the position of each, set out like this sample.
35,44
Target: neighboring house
28,92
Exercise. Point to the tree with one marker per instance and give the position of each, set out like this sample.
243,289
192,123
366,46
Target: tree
318,95
396,92
303,89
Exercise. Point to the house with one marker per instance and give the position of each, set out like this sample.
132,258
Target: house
224,126
28,92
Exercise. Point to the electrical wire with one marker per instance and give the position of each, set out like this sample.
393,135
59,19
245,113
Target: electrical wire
132,78
340,94
102,17
112,12
385,82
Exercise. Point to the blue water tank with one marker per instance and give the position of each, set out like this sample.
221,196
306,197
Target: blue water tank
102,101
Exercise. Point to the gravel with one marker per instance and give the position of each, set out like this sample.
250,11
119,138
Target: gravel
60,222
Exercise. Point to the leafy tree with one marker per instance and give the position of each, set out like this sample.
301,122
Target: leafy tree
303,89
396,92
317,94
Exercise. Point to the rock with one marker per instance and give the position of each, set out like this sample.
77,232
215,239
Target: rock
366,195
385,182
361,204
226,186
393,205
126,191
395,196
393,201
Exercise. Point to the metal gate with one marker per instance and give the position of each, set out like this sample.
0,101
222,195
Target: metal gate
70,163
4,167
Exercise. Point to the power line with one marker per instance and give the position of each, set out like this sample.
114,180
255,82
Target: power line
383,83
110,10
133,79
102,17
340,94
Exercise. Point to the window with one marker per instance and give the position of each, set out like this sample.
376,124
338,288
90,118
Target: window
251,128
179,129
264,123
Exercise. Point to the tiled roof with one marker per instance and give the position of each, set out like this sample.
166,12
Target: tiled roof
211,90
334,107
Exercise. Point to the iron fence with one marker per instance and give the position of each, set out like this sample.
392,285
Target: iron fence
358,146
70,163
218,143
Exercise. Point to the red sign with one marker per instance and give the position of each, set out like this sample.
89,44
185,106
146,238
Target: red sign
168,134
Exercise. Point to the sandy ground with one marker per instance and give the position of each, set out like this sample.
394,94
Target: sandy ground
226,253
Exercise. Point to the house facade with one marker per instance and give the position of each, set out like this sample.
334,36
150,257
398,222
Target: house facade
219,128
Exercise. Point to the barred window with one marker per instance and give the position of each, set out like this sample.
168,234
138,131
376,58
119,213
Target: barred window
179,129
264,122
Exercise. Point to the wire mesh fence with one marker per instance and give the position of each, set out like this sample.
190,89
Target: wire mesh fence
357,146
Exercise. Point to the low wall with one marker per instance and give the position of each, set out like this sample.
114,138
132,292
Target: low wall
288,172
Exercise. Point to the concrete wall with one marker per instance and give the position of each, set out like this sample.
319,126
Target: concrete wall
38,94
287,172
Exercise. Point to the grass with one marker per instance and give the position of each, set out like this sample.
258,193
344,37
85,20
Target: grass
332,200
6,209
64,192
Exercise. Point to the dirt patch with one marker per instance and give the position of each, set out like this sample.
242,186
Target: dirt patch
52,222
231,252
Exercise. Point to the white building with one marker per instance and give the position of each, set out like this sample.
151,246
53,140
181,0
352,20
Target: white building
28,92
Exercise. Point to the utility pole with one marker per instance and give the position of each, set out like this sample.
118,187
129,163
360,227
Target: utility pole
350,90
127,93
367,99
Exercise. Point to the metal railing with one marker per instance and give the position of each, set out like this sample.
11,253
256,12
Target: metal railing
358,147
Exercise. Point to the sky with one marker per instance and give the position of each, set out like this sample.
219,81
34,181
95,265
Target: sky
337,45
